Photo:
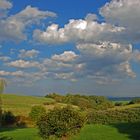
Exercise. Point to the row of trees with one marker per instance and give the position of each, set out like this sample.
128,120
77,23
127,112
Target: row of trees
83,101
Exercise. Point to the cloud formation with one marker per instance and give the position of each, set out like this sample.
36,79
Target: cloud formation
124,13
78,31
67,56
13,28
28,54
23,64
5,5
104,49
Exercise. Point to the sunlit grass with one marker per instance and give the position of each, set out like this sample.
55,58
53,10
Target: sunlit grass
21,105
89,132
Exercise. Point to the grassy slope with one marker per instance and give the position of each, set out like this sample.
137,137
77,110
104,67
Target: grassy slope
21,105
20,134
106,132
89,132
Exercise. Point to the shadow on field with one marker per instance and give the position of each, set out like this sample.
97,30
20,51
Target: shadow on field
5,138
10,129
132,129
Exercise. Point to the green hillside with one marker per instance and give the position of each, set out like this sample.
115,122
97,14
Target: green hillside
21,105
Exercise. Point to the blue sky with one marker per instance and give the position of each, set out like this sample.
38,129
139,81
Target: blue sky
75,46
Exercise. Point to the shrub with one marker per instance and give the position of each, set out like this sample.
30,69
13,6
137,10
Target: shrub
60,122
36,112
135,101
49,103
8,118
113,116
118,104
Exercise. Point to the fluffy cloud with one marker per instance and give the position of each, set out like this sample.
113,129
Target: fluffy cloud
108,61
67,56
105,49
4,6
124,13
24,64
15,73
78,31
136,56
14,27
28,54
105,60
4,58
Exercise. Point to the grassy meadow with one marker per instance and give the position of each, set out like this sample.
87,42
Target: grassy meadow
21,105
89,132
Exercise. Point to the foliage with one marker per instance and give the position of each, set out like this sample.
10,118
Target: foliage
37,112
55,96
135,101
119,104
82,101
8,118
113,116
60,122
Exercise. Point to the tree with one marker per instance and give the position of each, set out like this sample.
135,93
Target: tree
37,112
60,122
2,87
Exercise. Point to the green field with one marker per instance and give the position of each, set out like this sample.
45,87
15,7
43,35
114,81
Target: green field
89,132
21,105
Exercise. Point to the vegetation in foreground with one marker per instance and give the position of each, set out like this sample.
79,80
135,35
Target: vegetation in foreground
98,111
60,122
89,132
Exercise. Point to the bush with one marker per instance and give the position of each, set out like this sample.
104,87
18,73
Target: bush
118,104
135,101
113,116
60,122
8,118
36,112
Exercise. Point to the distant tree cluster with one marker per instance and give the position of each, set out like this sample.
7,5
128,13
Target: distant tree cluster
83,101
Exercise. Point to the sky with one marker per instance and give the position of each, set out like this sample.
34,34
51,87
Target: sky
85,47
